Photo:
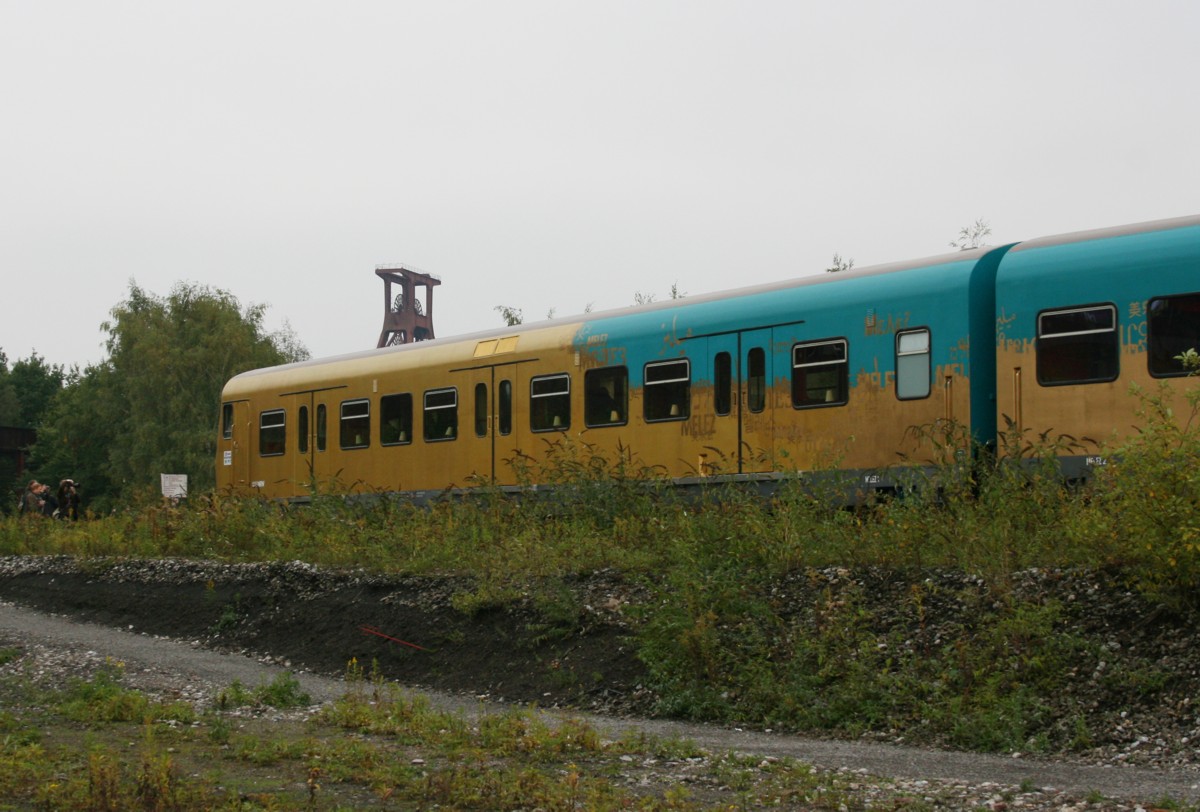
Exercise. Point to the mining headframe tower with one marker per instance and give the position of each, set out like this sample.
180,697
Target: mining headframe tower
405,320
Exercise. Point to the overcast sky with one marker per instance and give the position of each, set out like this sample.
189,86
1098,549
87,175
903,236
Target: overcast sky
556,154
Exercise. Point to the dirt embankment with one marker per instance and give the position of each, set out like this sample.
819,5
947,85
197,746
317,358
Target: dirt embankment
572,646
431,632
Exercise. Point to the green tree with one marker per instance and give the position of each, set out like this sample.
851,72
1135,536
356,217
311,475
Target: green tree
10,408
10,415
34,384
153,406
26,392
78,433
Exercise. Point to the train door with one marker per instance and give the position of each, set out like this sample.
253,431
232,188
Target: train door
722,454
743,440
235,446
505,397
302,469
758,414
490,394
317,466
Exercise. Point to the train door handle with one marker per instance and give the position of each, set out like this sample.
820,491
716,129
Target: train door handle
1018,418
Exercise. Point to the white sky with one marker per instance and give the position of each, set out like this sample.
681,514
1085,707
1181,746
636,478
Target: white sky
555,154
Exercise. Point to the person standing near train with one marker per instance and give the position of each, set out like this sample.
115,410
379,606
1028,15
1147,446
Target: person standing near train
49,502
68,500
31,500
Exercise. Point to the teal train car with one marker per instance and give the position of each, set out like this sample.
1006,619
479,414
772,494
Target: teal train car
837,373
1082,318
818,373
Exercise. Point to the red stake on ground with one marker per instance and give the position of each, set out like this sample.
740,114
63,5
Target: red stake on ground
377,633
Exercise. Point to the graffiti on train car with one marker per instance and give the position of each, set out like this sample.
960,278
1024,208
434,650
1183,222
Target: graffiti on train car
876,325
1134,338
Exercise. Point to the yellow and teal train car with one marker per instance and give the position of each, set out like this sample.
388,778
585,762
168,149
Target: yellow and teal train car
1081,318
821,373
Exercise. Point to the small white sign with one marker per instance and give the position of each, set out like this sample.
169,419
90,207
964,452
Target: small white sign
174,486
229,458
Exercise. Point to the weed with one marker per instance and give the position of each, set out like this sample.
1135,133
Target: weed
102,700
156,782
219,728
235,696
282,692
231,612
265,751
103,791
1081,737
486,596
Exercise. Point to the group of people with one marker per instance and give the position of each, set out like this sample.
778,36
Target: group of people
39,500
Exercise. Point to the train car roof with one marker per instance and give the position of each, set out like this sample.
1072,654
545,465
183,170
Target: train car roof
1095,234
527,331
823,278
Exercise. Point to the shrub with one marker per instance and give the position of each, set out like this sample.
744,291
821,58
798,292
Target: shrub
1149,497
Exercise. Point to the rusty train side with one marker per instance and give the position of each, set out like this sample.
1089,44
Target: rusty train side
820,374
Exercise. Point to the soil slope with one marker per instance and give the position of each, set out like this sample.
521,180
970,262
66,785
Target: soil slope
575,649
430,632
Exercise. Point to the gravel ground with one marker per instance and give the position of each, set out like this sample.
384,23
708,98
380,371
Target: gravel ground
1144,767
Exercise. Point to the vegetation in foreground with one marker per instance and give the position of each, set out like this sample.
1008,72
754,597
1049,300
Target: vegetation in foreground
717,643
95,744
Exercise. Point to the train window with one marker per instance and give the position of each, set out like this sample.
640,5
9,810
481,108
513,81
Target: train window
666,392
606,397
481,410
1173,326
820,374
441,415
723,383
395,419
1079,345
321,433
302,430
272,433
505,407
912,364
756,379
227,421
356,424
550,403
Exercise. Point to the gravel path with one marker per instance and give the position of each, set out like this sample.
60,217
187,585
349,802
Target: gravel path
187,670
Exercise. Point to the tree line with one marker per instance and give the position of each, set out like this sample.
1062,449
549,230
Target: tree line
150,407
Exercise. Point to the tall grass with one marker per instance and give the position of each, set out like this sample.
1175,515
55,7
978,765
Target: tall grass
957,511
